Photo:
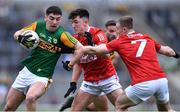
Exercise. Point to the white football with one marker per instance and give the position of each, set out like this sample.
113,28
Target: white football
34,40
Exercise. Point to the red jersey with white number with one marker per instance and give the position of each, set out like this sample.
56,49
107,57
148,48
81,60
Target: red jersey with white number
138,52
96,67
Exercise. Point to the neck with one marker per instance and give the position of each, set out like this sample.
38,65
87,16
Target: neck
87,28
130,31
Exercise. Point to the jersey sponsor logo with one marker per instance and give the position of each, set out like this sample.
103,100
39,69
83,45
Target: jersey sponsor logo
48,46
88,58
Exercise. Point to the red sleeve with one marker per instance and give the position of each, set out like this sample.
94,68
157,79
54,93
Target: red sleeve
100,38
157,45
112,45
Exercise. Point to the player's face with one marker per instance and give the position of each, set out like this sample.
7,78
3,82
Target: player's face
52,21
112,30
79,25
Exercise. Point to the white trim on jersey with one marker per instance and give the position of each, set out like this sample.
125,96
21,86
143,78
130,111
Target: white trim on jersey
101,37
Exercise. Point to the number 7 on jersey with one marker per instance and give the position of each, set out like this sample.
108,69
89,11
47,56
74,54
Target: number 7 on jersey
141,46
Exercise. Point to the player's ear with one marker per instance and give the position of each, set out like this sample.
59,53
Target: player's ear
125,30
86,20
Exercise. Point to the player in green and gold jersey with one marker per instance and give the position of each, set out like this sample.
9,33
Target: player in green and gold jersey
33,80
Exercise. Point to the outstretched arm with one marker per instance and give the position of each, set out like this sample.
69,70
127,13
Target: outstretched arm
166,50
100,49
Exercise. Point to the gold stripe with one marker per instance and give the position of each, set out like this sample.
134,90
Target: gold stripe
68,40
31,27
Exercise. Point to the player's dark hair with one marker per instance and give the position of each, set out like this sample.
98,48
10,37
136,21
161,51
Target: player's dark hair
110,23
54,10
126,21
79,12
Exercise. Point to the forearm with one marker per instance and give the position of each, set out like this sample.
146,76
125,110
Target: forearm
79,53
166,50
76,73
76,57
100,49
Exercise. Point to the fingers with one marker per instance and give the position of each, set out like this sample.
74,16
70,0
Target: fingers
71,89
65,65
176,55
27,36
68,92
27,43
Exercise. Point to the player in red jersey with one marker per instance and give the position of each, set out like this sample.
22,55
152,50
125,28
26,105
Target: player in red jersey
111,34
100,77
111,30
138,51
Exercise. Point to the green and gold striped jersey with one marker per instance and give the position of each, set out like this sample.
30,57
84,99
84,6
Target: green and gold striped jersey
42,60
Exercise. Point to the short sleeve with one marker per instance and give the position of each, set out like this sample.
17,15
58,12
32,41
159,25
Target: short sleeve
100,38
157,45
31,27
68,40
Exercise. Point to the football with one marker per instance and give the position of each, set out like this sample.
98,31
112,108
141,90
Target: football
32,41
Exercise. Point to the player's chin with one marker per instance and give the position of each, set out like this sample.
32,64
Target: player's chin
53,28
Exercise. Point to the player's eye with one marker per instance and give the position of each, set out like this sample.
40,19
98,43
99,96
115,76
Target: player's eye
58,19
75,22
51,18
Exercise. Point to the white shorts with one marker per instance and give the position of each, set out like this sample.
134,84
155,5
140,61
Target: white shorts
144,90
25,78
102,87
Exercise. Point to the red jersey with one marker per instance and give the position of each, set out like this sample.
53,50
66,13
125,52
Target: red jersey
138,52
96,67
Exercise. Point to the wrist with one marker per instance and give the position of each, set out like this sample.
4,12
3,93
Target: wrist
73,83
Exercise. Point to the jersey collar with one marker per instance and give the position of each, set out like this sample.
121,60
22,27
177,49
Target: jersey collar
88,28
131,32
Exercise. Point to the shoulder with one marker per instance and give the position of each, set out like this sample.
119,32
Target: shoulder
61,31
95,30
40,21
146,35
